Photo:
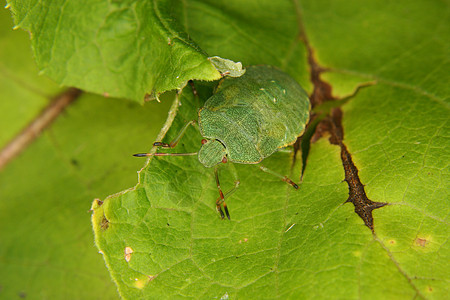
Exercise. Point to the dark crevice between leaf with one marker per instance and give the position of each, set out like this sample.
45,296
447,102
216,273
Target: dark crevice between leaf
322,92
356,193
34,129
327,121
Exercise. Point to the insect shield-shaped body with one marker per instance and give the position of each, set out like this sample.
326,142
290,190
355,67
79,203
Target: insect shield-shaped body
248,119
252,116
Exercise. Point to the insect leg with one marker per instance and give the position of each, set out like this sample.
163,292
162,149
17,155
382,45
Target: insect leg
284,178
221,199
175,141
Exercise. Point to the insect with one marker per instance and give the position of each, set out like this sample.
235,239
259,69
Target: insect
248,119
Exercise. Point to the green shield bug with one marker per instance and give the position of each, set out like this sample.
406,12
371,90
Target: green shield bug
248,119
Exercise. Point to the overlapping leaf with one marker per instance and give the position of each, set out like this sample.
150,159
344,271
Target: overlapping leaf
122,49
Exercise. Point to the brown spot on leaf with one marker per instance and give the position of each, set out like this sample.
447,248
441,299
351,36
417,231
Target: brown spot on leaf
421,242
105,223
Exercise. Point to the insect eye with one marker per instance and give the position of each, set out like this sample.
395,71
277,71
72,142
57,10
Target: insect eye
204,141
224,160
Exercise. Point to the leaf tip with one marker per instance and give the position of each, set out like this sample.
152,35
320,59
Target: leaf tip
227,67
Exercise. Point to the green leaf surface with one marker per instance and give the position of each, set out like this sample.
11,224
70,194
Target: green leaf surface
399,42
164,238
121,49
46,247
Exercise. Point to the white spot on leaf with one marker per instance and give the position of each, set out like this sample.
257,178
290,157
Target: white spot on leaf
127,253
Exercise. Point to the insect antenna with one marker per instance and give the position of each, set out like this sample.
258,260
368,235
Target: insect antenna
163,154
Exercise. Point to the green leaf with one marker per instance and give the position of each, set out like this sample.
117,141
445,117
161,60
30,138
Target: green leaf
121,49
164,239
